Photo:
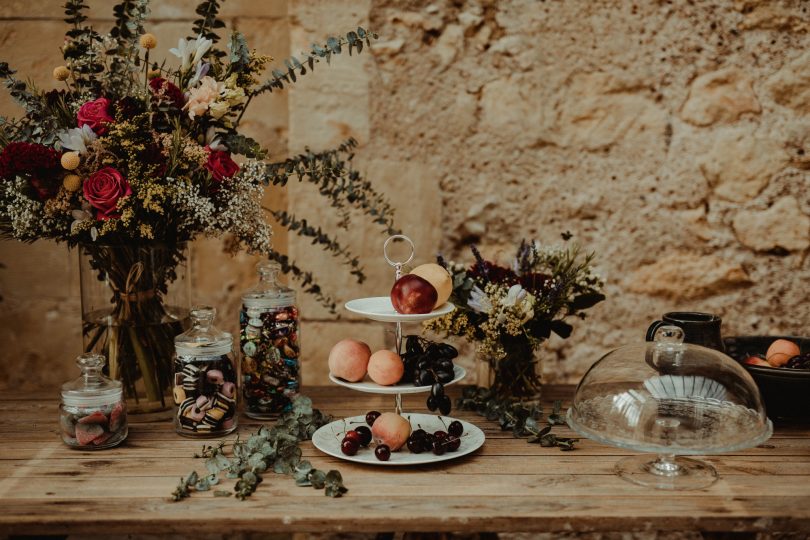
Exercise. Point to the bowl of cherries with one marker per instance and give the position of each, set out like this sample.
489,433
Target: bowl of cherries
780,365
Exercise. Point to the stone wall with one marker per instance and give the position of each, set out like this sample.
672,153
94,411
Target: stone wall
671,137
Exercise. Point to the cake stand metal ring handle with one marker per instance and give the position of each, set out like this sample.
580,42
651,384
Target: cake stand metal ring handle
395,264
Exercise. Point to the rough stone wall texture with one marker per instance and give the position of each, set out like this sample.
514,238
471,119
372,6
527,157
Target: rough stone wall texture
671,137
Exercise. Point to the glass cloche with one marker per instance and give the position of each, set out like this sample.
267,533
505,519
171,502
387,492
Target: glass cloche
669,398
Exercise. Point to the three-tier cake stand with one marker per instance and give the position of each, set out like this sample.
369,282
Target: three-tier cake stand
328,438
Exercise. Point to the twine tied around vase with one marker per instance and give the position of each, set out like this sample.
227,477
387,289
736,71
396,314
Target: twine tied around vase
129,294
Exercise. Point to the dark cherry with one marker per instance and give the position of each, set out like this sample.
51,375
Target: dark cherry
452,443
455,428
433,403
437,390
438,447
445,405
418,433
371,416
439,435
365,435
353,435
349,447
416,446
382,452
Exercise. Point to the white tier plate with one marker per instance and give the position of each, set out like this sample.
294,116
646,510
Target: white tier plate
328,438
379,308
373,388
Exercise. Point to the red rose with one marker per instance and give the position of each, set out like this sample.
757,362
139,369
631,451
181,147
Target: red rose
166,91
38,163
95,114
221,165
102,190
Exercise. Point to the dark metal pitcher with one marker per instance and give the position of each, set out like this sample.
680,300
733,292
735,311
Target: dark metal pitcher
699,328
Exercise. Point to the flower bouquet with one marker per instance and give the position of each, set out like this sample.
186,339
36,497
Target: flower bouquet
508,312
131,159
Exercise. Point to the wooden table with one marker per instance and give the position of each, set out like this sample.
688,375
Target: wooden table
509,485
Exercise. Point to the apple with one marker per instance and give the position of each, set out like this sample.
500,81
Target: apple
437,276
391,430
412,294
385,367
348,360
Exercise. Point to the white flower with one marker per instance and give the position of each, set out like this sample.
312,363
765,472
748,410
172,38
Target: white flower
514,297
212,141
200,72
77,139
479,301
191,51
218,109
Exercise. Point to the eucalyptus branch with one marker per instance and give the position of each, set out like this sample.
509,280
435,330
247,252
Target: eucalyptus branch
78,51
331,172
333,46
304,278
302,228
209,23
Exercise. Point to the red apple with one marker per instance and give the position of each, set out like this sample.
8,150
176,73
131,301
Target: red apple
412,294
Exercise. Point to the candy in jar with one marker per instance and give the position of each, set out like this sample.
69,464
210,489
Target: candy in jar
92,414
269,341
205,378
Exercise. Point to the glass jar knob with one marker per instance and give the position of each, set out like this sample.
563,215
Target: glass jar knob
91,365
202,316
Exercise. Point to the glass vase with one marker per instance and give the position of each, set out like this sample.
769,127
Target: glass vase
135,300
515,377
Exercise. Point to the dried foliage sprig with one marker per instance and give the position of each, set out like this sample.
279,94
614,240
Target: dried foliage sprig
273,449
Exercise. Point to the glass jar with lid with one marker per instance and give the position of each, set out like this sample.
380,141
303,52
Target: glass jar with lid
269,341
92,413
205,378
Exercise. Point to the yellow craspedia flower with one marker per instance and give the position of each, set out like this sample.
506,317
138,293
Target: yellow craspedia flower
70,160
61,73
72,182
148,41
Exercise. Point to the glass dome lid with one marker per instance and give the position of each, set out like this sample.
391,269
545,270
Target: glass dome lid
669,397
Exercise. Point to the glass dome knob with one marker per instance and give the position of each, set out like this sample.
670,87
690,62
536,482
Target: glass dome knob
202,316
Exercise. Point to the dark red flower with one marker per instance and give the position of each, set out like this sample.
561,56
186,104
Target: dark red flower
221,165
164,90
37,162
535,282
102,190
494,273
128,107
95,114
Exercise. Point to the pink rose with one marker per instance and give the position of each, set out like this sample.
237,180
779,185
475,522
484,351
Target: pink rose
103,189
221,165
95,114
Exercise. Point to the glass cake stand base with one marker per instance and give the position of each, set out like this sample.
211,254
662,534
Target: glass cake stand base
666,472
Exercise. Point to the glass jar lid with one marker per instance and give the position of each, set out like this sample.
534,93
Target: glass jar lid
92,389
203,339
268,292
670,397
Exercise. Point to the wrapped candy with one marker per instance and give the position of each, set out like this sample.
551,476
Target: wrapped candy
270,347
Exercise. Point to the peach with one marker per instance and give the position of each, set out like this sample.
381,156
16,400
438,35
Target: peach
781,351
756,361
437,276
348,359
385,367
391,429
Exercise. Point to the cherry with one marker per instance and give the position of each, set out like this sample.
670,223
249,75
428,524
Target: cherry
382,452
419,433
455,428
452,443
371,416
416,446
349,447
353,435
438,447
445,405
364,434
439,435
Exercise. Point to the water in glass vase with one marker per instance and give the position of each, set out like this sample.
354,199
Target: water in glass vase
134,303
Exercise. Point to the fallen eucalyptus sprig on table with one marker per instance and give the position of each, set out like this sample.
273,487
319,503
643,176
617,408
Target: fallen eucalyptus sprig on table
276,449
524,420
